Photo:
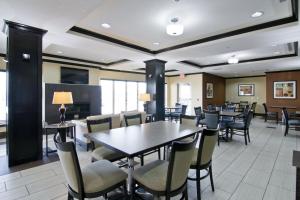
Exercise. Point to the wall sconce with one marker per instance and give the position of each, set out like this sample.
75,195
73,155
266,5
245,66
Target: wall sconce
160,75
26,56
150,76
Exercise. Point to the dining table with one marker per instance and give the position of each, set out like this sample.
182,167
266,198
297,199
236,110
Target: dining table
138,139
227,123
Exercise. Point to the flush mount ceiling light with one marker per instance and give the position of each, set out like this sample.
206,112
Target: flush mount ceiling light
277,52
156,43
174,28
105,25
59,52
257,14
233,60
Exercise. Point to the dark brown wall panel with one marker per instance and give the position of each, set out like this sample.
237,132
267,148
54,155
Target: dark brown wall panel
282,76
219,90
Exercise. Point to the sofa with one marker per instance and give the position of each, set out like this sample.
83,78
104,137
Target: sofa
117,122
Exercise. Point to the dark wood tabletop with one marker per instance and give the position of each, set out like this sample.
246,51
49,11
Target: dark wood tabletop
229,114
135,140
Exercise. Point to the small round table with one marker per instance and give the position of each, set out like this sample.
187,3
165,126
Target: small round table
62,129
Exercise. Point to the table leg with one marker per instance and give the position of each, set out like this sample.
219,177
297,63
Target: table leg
62,134
46,142
74,132
130,174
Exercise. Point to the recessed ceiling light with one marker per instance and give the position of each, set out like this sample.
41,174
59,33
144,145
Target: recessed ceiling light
277,52
175,28
274,45
156,43
257,14
233,60
60,52
105,25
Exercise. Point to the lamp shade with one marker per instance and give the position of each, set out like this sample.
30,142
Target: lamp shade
144,97
62,98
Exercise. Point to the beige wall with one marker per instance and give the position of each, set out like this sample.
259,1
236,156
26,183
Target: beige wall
259,91
196,85
51,74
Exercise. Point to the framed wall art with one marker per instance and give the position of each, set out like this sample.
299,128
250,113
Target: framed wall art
246,90
209,90
284,90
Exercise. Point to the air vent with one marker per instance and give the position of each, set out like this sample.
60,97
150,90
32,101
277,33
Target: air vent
281,1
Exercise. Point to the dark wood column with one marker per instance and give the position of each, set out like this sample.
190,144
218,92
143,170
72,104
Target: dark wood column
155,79
24,67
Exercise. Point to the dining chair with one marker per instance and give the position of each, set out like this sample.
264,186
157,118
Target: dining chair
94,180
253,107
190,121
242,128
270,115
289,123
136,119
202,159
176,115
100,152
167,178
212,121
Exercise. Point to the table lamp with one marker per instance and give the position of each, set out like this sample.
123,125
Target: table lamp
62,98
145,97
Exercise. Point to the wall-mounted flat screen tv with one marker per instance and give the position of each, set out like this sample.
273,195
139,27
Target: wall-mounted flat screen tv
74,76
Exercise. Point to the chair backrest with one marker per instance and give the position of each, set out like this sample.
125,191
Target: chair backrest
210,107
248,119
207,145
180,160
99,124
253,106
133,119
183,109
265,107
286,116
70,164
211,119
198,111
178,107
188,120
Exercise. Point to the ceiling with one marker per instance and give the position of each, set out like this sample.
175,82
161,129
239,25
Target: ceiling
213,31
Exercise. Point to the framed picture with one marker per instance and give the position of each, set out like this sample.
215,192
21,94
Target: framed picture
285,90
209,90
246,90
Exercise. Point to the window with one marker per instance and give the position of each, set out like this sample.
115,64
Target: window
184,95
107,96
2,95
118,96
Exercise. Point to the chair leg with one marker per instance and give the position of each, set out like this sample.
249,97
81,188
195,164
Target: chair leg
245,136
185,193
211,179
266,116
218,140
142,160
125,190
158,151
248,135
70,197
286,130
198,184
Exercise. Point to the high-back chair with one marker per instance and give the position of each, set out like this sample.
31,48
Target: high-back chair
188,120
211,119
172,174
270,115
202,159
131,120
81,182
253,107
136,119
289,123
242,128
198,110
100,152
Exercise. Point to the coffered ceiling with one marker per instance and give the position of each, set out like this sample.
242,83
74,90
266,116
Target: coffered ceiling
213,31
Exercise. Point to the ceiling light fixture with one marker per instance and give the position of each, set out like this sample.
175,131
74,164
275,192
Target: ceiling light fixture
5,60
156,43
60,52
105,25
174,28
257,14
233,60
277,52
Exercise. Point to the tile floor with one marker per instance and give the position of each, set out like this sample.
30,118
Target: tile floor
260,171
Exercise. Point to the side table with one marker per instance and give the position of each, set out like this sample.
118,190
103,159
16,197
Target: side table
62,129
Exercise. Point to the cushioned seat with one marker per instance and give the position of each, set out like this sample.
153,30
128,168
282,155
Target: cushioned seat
101,175
239,126
103,153
153,175
294,122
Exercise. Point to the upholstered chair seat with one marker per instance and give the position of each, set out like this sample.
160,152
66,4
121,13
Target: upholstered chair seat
101,175
103,153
